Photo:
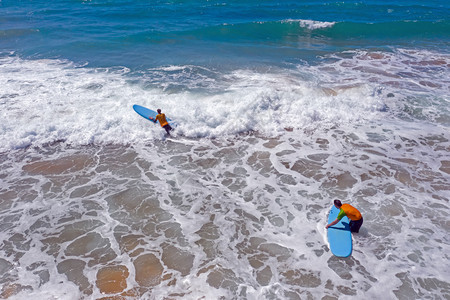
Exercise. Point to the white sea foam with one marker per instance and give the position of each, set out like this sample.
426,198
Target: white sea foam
43,101
311,24
46,101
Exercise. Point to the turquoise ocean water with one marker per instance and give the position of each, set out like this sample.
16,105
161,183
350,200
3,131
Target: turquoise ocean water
283,106
220,34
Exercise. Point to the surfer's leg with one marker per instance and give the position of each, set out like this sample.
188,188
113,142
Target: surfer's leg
356,225
168,128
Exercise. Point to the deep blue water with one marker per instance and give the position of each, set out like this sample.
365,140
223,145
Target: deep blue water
144,34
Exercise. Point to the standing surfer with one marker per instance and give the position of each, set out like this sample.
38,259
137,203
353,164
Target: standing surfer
352,213
162,121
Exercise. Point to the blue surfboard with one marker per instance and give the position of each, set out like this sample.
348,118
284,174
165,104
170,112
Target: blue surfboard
147,113
339,235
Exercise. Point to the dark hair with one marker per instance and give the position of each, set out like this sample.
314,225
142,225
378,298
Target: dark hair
158,110
337,202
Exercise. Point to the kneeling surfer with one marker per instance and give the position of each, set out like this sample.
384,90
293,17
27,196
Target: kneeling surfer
352,213
162,121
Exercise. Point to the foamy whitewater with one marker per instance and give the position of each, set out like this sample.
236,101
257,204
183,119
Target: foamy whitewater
279,114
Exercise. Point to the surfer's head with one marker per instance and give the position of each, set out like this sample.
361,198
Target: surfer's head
337,203
158,110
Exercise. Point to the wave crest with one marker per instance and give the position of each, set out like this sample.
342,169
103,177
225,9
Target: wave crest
311,24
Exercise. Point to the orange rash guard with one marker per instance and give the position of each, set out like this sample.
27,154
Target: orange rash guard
162,119
349,211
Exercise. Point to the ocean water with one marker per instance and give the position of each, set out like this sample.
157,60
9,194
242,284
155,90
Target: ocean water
282,107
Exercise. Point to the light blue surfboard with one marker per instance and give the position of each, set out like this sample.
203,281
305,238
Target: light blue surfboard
339,235
147,113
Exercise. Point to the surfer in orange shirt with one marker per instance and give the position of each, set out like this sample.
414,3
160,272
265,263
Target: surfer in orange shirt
162,121
352,213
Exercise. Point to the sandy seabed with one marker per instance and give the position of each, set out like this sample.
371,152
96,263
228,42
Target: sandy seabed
237,218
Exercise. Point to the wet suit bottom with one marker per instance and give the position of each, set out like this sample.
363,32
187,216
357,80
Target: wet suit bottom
355,225
167,128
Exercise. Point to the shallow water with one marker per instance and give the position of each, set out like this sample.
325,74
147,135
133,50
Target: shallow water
239,217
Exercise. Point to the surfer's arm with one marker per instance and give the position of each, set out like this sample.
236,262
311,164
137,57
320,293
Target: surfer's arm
332,223
340,215
152,119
